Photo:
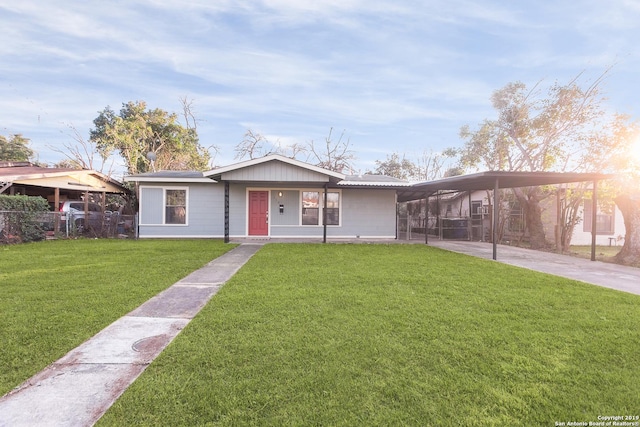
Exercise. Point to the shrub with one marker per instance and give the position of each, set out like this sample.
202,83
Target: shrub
21,218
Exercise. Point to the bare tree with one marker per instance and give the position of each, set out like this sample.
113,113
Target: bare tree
188,114
435,164
253,145
191,123
333,155
83,154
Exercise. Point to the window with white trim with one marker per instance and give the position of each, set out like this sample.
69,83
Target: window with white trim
175,206
333,208
310,207
312,204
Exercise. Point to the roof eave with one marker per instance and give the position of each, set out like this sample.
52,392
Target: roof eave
168,179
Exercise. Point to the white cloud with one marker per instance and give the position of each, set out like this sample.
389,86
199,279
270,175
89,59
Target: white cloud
383,69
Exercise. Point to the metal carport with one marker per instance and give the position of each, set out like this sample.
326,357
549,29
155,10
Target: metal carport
499,179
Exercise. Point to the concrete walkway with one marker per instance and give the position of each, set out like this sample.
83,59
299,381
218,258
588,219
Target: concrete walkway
78,389
614,276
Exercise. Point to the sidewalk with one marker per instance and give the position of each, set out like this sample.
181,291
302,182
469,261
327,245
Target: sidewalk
78,389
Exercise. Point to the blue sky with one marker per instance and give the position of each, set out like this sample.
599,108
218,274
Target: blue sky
396,75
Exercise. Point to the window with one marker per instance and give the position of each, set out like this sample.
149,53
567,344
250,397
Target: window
310,207
604,221
333,208
175,207
311,212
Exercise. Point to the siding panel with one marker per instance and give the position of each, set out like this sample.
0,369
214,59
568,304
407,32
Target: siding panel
205,212
151,205
274,172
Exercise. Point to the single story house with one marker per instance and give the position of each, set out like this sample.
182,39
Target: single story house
269,197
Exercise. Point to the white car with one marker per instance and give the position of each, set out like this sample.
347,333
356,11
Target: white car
74,212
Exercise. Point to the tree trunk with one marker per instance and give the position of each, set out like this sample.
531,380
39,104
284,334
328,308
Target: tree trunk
529,199
630,208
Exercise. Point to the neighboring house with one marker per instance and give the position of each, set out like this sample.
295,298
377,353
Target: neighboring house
609,221
610,229
273,196
54,184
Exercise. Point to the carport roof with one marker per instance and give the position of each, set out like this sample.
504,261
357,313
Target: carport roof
488,180
24,173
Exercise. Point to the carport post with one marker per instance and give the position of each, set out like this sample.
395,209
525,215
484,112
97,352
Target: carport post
470,222
496,212
594,218
426,219
56,210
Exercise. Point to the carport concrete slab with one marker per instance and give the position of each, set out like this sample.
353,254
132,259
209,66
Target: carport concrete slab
177,302
613,276
67,395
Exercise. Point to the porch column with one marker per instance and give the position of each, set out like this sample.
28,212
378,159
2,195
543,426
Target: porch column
594,218
324,214
226,211
496,212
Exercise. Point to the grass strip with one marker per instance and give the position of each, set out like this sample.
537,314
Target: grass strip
54,295
393,335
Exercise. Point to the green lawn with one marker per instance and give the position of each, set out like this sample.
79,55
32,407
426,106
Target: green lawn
393,335
603,253
56,294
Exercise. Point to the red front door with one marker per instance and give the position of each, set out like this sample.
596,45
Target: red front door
258,213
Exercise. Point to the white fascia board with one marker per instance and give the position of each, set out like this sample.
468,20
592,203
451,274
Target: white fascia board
168,179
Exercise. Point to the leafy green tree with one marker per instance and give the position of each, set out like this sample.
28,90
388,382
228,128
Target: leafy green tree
626,161
394,166
137,131
536,131
429,166
15,149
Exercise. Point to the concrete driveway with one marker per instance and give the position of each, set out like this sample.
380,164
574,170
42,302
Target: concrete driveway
613,276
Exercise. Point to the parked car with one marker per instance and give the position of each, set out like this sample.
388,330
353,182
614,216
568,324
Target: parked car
74,212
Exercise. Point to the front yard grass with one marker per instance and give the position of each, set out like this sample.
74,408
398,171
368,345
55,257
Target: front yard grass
54,295
393,335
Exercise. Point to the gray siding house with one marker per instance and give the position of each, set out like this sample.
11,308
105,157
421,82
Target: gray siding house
269,197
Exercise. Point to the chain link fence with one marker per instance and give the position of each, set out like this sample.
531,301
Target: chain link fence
19,227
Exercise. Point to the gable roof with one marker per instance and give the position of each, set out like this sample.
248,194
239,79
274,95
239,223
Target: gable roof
271,158
272,168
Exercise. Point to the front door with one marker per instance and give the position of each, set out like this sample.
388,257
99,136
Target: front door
258,213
